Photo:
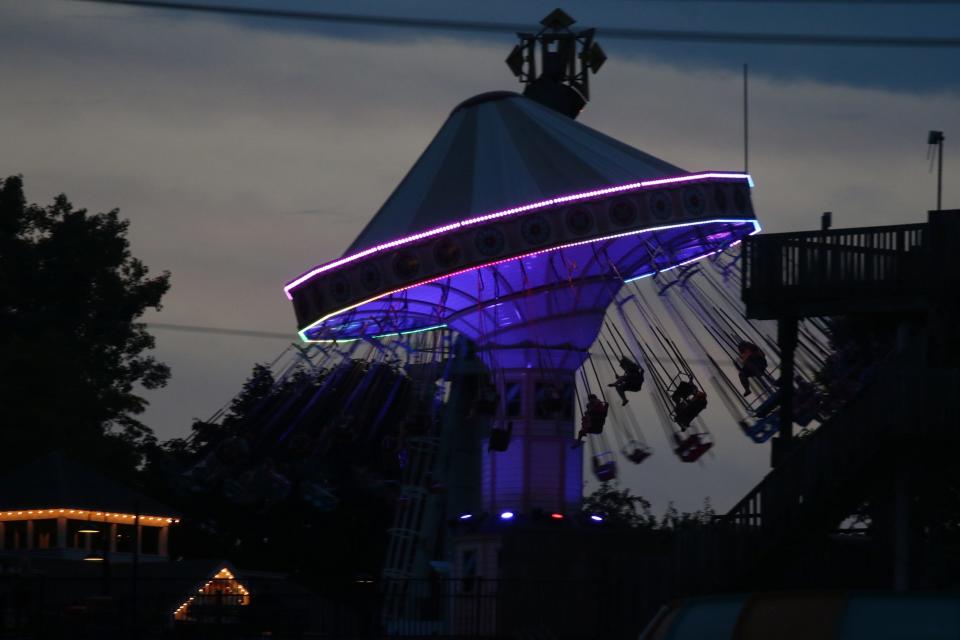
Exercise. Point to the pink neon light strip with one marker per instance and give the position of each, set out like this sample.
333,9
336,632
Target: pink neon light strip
290,286
756,229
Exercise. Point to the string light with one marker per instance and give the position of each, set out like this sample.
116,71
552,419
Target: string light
632,186
756,229
6,515
226,582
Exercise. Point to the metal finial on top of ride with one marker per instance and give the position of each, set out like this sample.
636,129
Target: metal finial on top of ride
560,83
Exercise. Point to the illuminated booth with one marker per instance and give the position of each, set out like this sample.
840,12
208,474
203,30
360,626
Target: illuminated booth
57,508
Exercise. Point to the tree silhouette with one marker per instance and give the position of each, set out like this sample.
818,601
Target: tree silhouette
71,351
618,507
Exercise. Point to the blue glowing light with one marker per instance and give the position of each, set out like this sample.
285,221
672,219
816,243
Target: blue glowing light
506,515
596,518
466,516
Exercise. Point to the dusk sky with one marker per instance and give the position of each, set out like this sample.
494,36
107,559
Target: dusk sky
245,150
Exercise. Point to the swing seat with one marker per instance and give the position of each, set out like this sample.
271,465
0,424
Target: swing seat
762,430
691,448
688,410
768,405
633,383
636,452
604,466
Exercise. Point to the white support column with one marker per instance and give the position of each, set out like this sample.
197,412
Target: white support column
162,547
61,533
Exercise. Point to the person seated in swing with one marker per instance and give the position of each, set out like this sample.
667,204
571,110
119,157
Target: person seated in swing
638,455
753,363
631,380
683,392
689,408
594,415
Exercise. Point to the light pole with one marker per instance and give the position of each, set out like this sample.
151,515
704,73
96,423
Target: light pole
936,138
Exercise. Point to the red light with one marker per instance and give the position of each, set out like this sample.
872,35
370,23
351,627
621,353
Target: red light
556,516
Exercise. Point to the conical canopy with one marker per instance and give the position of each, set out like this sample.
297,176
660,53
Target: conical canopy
498,150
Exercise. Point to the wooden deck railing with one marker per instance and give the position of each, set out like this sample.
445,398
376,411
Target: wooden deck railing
788,269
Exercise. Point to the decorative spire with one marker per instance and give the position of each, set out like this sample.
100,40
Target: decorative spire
558,81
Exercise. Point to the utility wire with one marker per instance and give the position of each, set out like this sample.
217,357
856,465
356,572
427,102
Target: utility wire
612,33
224,331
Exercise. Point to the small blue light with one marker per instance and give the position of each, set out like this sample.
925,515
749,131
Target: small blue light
466,516
506,515
596,518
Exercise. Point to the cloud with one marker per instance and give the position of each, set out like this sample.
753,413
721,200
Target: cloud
905,69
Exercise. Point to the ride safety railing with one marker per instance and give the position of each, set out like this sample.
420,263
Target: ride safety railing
806,273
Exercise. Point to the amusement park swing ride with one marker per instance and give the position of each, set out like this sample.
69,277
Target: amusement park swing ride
518,228
528,272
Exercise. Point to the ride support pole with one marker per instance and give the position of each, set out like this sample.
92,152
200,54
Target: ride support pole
787,339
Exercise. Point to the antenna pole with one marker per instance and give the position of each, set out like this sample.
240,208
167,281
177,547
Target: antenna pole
940,173
746,122
935,139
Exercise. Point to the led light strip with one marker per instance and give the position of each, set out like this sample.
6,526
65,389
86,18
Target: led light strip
756,229
688,261
16,515
392,334
633,186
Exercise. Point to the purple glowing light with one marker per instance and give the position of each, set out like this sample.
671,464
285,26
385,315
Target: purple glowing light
756,229
633,186
506,515
466,516
596,518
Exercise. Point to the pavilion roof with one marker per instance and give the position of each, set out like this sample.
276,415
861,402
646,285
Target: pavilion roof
498,150
55,481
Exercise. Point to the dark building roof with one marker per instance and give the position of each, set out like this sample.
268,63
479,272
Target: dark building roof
54,481
498,150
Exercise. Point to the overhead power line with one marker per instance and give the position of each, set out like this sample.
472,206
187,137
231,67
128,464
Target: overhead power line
619,33
224,331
